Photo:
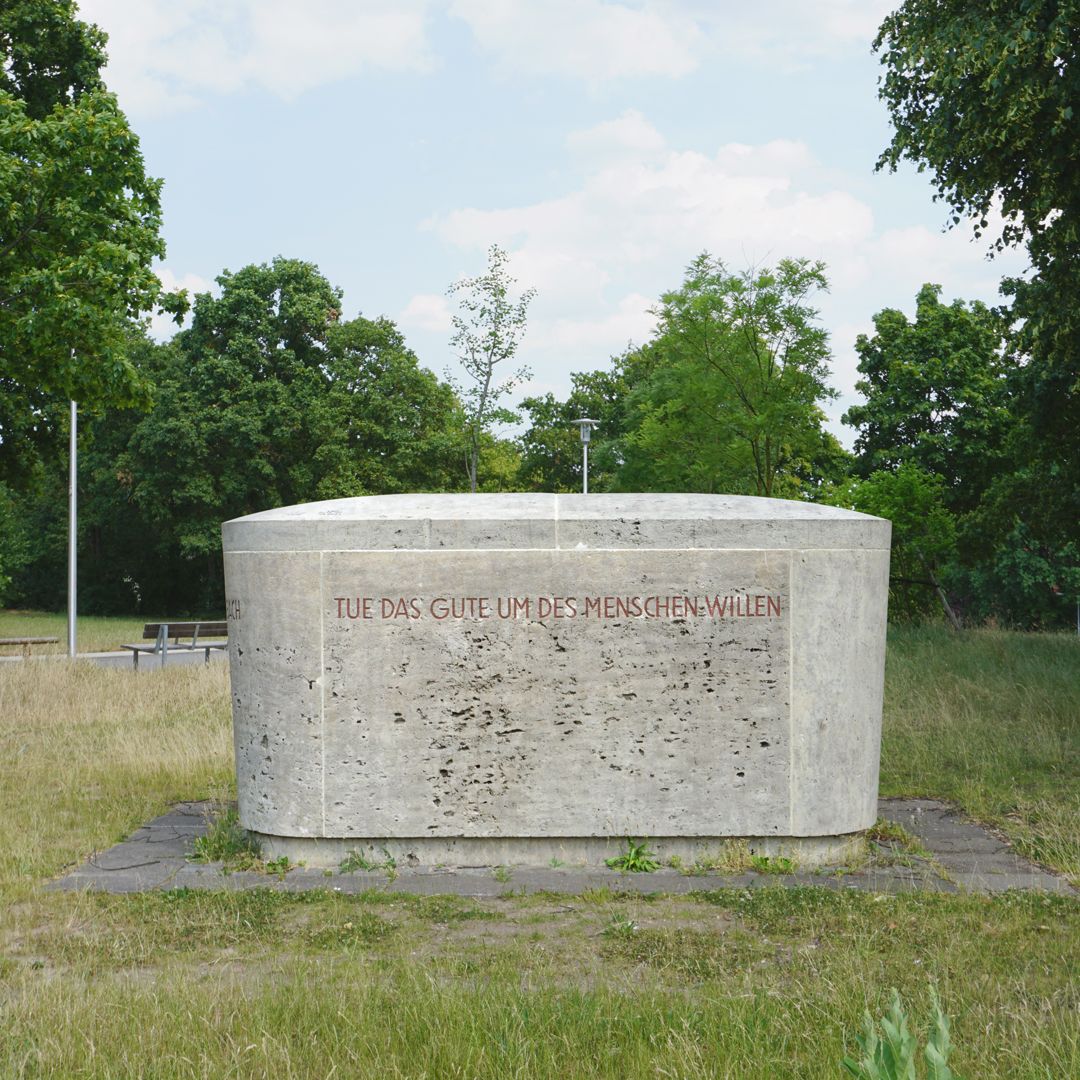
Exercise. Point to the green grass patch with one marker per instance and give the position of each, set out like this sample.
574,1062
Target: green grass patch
768,982
772,864
94,633
989,720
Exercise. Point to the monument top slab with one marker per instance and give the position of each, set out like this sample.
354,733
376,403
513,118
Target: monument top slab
559,522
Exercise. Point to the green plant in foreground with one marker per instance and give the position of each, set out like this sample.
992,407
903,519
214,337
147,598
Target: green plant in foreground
228,842
894,1056
772,864
637,859
890,832
502,873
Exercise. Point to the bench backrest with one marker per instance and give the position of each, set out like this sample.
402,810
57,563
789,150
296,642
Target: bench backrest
152,630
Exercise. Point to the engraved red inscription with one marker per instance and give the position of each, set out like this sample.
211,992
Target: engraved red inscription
543,608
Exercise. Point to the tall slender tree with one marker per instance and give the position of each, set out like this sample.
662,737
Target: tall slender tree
487,331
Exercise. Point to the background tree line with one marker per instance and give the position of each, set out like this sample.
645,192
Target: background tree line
968,437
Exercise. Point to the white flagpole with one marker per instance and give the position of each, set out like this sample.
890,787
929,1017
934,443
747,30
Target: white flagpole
73,470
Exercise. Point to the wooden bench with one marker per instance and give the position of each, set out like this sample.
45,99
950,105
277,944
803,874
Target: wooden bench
168,636
26,642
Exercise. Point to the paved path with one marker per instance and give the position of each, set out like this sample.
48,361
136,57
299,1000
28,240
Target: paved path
963,857
122,659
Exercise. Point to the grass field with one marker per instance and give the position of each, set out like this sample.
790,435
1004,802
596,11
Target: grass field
95,633
770,983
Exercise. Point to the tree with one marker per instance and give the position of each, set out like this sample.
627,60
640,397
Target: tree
984,95
387,424
50,57
1023,583
923,534
732,402
936,395
79,228
487,331
270,399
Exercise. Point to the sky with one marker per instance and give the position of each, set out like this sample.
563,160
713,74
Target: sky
602,144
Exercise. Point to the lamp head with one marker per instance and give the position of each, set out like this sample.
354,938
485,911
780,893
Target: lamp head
585,425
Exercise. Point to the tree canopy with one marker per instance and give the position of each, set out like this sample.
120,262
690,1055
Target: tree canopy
733,399
50,57
551,458
80,226
984,95
936,394
270,399
726,396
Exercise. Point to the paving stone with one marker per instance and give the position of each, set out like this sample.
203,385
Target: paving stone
211,876
190,818
980,842
129,855
977,882
163,843
133,880
155,857
979,862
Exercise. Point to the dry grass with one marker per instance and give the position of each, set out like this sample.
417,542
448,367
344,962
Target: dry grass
989,720
763,983
88,754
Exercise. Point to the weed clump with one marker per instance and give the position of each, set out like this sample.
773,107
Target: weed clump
637,859
229,843
356,860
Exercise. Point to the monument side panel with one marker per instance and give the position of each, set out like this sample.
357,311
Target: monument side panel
557,693
274,616
839,608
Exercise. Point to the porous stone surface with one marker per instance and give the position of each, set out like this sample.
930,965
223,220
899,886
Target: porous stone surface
471,677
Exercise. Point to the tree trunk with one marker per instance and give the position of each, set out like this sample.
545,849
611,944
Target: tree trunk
944,600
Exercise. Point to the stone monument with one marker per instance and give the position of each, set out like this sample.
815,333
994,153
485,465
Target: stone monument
507,679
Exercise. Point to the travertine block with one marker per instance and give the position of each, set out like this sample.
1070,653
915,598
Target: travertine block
472,677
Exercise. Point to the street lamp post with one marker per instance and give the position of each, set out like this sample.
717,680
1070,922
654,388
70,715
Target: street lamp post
73,529
585,426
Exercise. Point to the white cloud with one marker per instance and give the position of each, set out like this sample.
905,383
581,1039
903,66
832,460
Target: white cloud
741,202
597,40
601,254
166,55
631,320
630,135
587,39
163,326
428,312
